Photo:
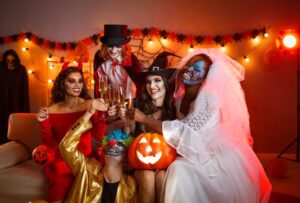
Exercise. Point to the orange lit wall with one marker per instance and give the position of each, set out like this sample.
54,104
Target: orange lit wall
270,91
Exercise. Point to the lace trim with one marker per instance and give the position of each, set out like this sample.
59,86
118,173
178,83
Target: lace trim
196,120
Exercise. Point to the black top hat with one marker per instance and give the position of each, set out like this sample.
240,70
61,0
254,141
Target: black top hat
115,35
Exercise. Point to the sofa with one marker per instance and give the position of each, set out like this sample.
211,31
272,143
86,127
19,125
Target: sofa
21,179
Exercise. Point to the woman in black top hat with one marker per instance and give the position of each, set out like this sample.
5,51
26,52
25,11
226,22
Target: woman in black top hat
116,61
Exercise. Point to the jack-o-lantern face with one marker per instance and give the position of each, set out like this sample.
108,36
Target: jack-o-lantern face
150,151
43,154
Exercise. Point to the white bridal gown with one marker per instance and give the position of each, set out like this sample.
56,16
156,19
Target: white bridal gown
216,161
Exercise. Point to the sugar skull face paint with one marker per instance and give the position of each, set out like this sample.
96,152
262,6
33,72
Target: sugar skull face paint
195,73
199,69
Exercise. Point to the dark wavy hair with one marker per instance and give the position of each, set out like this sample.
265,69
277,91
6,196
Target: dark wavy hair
14,54
58,90
146,105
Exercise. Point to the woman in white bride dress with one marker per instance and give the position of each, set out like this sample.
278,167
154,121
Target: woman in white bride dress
216,162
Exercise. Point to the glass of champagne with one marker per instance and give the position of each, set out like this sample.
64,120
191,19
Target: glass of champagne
103,88
103,85
120,96
112,97
130,108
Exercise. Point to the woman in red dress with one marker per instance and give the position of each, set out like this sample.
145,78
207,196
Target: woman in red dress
69,102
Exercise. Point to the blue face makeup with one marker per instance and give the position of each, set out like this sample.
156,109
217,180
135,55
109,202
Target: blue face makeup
199,68
195,73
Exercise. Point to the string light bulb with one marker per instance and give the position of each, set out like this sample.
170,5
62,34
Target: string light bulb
51,67
164,40
266,35
25,49
49,57
246,59
30,71
223,48
256,40
290,40
50,81
26,40
191,49
150,42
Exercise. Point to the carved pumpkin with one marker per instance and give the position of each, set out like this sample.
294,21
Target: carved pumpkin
150,151
43,154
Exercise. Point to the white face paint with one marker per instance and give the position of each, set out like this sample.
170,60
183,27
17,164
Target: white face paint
156,89
73,84
114,51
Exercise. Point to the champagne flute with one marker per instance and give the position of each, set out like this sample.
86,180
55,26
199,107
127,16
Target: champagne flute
112,97
130,108
103,86
103,83
120,97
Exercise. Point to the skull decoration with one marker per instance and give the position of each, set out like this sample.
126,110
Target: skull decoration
43,154
150,151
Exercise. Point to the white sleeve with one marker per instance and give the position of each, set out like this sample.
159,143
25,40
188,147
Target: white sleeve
190,135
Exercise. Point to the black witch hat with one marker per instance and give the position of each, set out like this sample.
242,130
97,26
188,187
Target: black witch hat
160,66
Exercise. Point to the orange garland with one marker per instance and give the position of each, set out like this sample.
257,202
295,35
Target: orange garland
136,33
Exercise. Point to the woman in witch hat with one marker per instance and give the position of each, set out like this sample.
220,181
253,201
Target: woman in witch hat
156,101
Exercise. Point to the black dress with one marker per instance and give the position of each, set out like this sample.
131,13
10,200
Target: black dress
14,95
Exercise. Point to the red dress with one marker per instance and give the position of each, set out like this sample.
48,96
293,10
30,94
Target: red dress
53,129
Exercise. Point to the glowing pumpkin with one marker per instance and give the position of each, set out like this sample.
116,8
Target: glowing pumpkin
150,151
43,154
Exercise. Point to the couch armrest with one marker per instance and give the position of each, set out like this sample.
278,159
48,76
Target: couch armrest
12,153
24,128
